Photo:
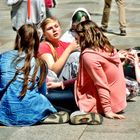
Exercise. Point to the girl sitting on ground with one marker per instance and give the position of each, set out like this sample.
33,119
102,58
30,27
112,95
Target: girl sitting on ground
61,57
23,84
100,85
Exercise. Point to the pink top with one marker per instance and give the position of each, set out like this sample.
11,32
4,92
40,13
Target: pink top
44,48
100,85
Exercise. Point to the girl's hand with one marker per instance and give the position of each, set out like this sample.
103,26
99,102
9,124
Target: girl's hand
122,54
53,85
73,46
136,58
133,56
130,56
112,115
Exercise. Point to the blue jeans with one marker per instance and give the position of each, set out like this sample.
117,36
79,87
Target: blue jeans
62,99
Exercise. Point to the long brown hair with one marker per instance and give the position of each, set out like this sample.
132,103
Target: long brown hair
27,44
91,36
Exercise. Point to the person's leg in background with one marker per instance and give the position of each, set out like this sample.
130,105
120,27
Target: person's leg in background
122,20
106,14
48,13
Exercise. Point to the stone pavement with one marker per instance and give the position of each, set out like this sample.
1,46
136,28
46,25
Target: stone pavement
127,129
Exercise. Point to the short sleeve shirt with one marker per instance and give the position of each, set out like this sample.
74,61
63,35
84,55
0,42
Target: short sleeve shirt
45,48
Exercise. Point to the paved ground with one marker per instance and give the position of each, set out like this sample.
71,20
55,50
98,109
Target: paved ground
128,129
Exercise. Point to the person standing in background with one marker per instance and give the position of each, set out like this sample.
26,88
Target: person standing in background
121,12
24,9
50,4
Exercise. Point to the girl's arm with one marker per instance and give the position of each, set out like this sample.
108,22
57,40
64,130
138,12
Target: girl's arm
99,78
58,65
62,85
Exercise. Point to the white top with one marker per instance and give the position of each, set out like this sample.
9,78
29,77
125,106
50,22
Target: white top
67,36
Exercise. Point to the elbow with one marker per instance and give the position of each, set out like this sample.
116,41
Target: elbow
55,70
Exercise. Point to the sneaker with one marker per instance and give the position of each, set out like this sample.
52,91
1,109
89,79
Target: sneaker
57,118
104,29
79,117
123,32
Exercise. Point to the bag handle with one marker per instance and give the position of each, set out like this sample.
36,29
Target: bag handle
29,21
54,53
29,9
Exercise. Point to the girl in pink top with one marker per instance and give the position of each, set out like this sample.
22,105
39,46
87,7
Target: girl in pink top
100,85
60,58
51,49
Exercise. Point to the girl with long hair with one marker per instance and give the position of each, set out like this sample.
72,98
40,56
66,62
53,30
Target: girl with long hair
22,84
100,85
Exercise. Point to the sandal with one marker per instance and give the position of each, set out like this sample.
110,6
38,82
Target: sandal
91,118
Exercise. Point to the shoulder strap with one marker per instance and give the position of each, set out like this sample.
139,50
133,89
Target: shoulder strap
54,53
29,9
29,20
